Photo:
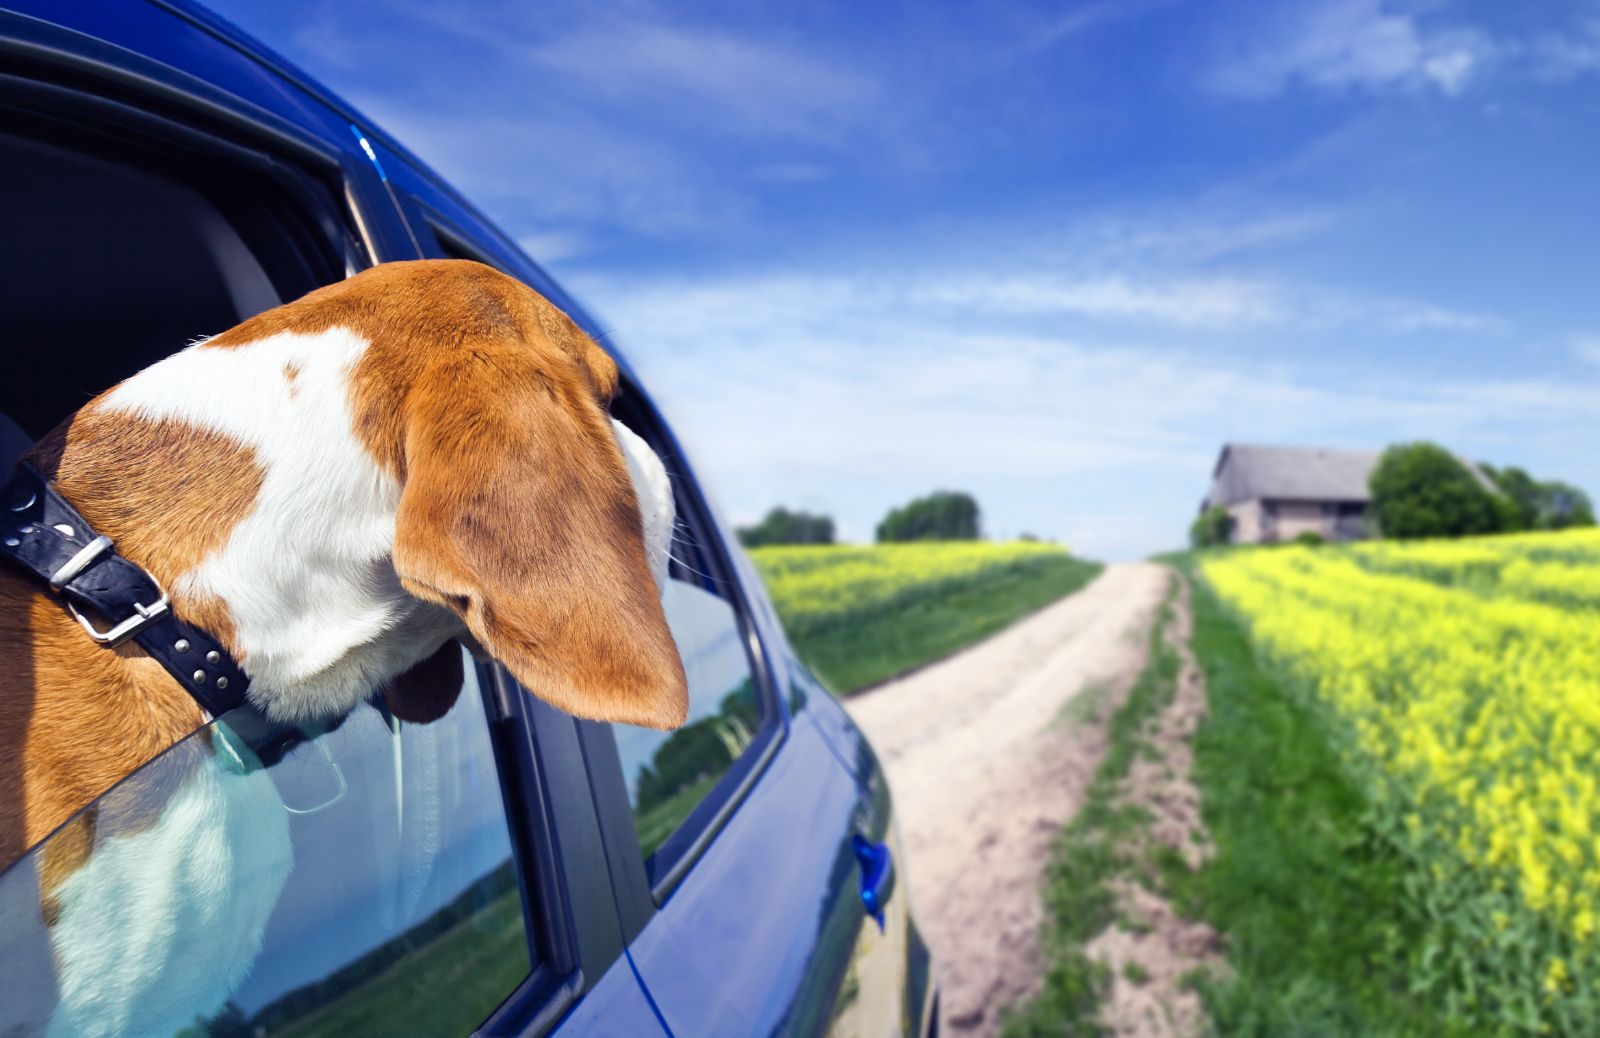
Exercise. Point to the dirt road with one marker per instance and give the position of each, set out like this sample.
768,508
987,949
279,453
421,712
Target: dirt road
989,754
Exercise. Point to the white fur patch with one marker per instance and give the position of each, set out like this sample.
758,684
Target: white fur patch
307,576
654,490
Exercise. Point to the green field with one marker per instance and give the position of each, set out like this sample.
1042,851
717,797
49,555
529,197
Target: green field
1313,897
1309,897
1396,776
860,615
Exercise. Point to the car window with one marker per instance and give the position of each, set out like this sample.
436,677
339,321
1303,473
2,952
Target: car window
669,773
119,254
673,779
361,884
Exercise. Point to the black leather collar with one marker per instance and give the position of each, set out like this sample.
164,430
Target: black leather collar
43,535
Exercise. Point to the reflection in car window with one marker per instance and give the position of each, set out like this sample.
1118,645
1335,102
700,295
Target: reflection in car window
362,884
669,773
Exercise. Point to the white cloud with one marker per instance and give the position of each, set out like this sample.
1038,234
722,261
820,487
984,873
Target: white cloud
727,81
1197,238
1196,302
1411,316
846,394
1185,302
1109,300
611,116
591,171
1353,45
1082,18
553,246
1450,69
1567,55
1587,348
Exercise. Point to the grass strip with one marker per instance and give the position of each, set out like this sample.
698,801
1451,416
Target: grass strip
1311,898
852,656
1093,850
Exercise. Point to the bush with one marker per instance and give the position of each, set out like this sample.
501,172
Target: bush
1422,490
1213,526
1310,538
782,526
945,515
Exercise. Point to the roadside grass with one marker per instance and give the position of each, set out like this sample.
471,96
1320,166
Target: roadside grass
1093,851
1312,899
870,638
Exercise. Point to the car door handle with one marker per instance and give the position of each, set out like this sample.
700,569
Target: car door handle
877,875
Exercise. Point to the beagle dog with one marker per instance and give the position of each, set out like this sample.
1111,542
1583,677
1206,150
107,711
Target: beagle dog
335,490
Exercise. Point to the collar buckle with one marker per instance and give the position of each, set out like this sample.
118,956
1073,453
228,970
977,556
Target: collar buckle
142,616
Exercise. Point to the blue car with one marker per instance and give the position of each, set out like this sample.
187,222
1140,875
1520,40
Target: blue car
506,870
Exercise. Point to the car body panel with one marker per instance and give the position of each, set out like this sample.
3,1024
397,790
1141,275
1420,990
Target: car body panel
616,1005
724,956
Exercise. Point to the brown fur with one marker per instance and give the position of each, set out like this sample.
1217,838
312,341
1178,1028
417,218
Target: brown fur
74,718
488,405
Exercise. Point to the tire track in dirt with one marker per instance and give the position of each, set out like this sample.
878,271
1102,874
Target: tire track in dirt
986,770
1151,950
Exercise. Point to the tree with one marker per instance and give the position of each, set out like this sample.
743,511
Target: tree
1560,506
1422,490
1520,490
1549,505
782,526
1212,527
945,515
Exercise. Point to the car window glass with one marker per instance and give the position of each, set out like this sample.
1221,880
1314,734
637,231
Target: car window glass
669,773
361,884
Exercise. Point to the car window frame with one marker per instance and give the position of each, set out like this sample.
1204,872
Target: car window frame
86,81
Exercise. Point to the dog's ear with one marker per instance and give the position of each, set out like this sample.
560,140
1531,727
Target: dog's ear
429,689
518,514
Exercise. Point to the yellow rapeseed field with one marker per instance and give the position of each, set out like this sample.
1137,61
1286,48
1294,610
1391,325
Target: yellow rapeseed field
859,615
1464,677
816,586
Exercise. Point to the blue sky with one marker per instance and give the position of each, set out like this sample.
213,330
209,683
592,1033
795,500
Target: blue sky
1051,254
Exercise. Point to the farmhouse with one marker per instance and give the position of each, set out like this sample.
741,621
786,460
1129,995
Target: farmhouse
1278,493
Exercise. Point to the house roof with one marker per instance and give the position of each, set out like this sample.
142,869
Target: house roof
1245,472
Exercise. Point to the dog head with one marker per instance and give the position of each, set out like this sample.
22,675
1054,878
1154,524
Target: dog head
524,509
337,486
